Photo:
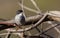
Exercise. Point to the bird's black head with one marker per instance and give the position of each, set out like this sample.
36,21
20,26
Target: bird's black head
19,11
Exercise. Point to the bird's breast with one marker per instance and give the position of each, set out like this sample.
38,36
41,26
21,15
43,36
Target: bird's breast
17,19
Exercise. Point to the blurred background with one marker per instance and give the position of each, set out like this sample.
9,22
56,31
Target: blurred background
8,7
8,10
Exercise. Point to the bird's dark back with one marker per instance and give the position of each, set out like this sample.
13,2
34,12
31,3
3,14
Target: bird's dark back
22,19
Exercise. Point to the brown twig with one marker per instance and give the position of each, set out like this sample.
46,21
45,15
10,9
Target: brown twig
31,27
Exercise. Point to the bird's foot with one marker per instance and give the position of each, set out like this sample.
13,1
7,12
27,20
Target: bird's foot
17,27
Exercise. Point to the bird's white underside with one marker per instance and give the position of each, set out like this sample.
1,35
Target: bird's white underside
17,19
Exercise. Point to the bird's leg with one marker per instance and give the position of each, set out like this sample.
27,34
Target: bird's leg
17,27
20,27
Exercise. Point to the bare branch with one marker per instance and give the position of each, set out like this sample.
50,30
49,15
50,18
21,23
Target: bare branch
7,34
50,27
34,3
30,9
33,26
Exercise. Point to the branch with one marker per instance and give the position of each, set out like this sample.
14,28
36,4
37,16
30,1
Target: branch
50,27
54,15
28,20
7,34
33,18
31,27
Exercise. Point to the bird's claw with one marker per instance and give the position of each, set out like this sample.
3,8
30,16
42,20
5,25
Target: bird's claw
17,27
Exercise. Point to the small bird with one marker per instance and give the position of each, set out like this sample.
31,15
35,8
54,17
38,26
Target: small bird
20,18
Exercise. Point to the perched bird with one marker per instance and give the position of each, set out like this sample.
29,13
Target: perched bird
19,18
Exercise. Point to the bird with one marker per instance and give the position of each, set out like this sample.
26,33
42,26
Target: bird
19,18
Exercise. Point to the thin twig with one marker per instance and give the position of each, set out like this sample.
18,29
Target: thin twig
54,27
21,35
30,9
7,34
34,3
49,28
